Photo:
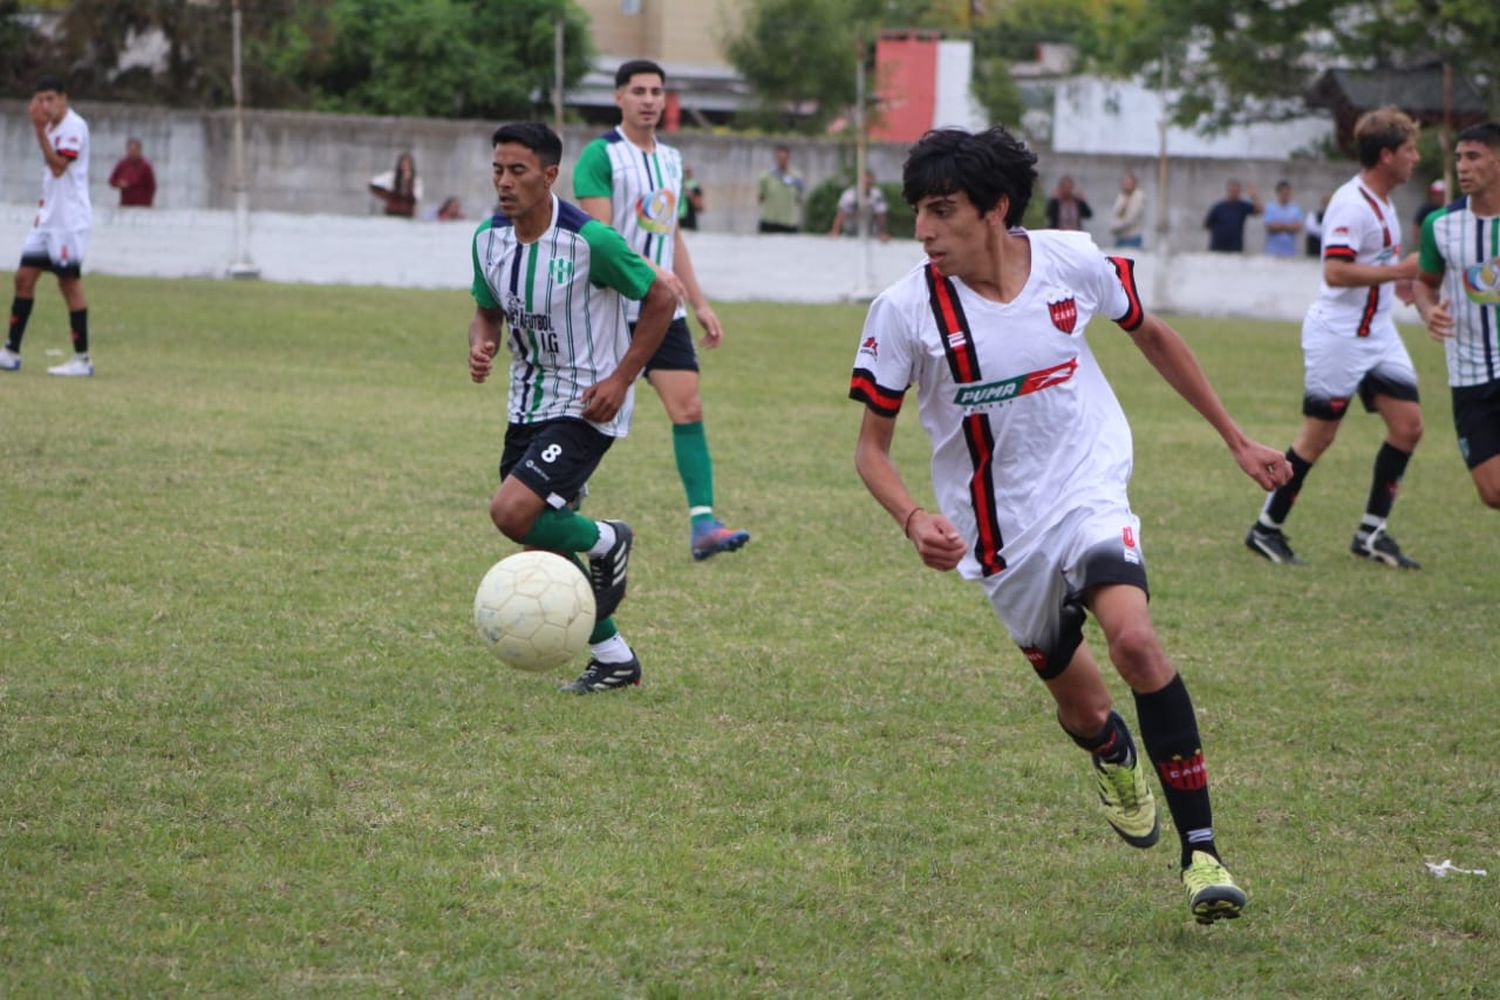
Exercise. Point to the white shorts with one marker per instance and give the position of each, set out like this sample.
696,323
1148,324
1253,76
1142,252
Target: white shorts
62,249
1089,546
1336,366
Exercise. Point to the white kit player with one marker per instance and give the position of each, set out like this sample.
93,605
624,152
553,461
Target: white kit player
1031,456
1350,345
59,238
559,280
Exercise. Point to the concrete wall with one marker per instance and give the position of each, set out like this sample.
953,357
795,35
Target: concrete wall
304,163
332,249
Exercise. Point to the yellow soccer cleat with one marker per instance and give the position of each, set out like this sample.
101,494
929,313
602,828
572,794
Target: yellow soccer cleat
1212,894
1127,802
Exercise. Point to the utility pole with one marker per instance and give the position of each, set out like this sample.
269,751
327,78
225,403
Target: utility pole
240,266
864,281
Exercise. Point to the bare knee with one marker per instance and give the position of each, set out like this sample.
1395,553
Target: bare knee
513,522
1489,495
1137,654
1407,433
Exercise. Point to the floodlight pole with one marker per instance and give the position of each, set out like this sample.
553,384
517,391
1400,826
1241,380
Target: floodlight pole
240,266
864,281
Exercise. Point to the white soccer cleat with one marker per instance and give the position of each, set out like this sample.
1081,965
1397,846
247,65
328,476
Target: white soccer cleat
78,366
10,361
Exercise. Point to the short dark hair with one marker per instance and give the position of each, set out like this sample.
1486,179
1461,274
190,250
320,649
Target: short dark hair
635,67
1283,184
986,166
1487,133
1384,128
50,81
535,136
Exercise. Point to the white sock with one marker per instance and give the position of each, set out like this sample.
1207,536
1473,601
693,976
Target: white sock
612,650
606,539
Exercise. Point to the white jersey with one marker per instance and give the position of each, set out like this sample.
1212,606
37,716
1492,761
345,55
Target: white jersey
65,198
644,190
1465,249
1024,426
1363,229
564,297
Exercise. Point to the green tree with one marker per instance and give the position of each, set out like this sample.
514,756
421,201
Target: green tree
1242,60
799,55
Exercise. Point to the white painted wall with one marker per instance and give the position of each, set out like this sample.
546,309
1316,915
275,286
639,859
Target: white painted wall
331,249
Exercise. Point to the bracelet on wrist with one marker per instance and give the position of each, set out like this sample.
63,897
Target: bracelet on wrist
906,524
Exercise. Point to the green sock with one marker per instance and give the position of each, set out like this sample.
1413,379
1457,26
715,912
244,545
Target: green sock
562,531
696,469
603,630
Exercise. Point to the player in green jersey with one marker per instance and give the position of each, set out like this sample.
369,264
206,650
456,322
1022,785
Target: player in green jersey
560,280
1458,296
633,181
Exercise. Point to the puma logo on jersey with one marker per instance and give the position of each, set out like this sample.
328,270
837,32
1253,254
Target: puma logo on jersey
1004,390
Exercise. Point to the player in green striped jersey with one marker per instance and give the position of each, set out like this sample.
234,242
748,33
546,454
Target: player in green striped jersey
633,181
560,280
1458,296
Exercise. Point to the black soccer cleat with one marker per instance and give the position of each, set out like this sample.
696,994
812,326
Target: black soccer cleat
1379,546
1271,543
597,677
607,572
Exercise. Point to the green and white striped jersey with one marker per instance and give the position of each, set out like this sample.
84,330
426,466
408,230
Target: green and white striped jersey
564,299
643,189
1465,249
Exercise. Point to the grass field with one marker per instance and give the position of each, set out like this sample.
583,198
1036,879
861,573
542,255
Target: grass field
249,744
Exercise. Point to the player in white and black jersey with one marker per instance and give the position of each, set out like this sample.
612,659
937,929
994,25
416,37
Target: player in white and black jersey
559,280
1458,295
1350,345
630,179
59,237
1031,456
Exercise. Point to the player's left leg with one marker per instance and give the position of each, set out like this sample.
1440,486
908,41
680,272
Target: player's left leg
33,262
673,373
70,283
1391,392
1169,730
1476,418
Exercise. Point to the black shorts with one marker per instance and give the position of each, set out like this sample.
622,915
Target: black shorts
1476,417
45,263
554,458
676,353
1370,386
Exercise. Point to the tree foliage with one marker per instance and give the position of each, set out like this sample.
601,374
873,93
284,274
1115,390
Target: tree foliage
1240,60
800,55
439,58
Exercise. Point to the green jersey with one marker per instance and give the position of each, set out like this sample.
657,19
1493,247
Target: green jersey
1465,249
564,298
643,189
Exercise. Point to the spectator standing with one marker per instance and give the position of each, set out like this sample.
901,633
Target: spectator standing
877,213
1067,209
1225,221
1437,196
780,195
1127,218
59,238
1313,227
692,200
1284,220
134,177
399,189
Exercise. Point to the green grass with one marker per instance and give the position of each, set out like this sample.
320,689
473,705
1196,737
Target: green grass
249,744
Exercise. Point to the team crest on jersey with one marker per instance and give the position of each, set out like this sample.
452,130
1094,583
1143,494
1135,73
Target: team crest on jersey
870,346
561,269
1064,314
657,212
1482,282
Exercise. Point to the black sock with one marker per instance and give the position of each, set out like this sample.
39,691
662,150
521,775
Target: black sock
20,312
1169,729
1390,466
1112,744
1279,503
78,323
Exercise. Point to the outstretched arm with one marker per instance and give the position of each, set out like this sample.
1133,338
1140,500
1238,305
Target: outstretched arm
1170,355
938,543
682,264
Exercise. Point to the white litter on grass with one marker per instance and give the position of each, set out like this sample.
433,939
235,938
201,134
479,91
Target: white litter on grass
53,352
1446,867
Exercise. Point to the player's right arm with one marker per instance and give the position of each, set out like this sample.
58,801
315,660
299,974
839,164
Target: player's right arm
484,341
1430,264
56,162
1342,228
938,543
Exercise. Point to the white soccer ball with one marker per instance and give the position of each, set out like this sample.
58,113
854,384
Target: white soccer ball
534,610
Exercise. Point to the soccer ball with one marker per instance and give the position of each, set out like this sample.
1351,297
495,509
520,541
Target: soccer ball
534,610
